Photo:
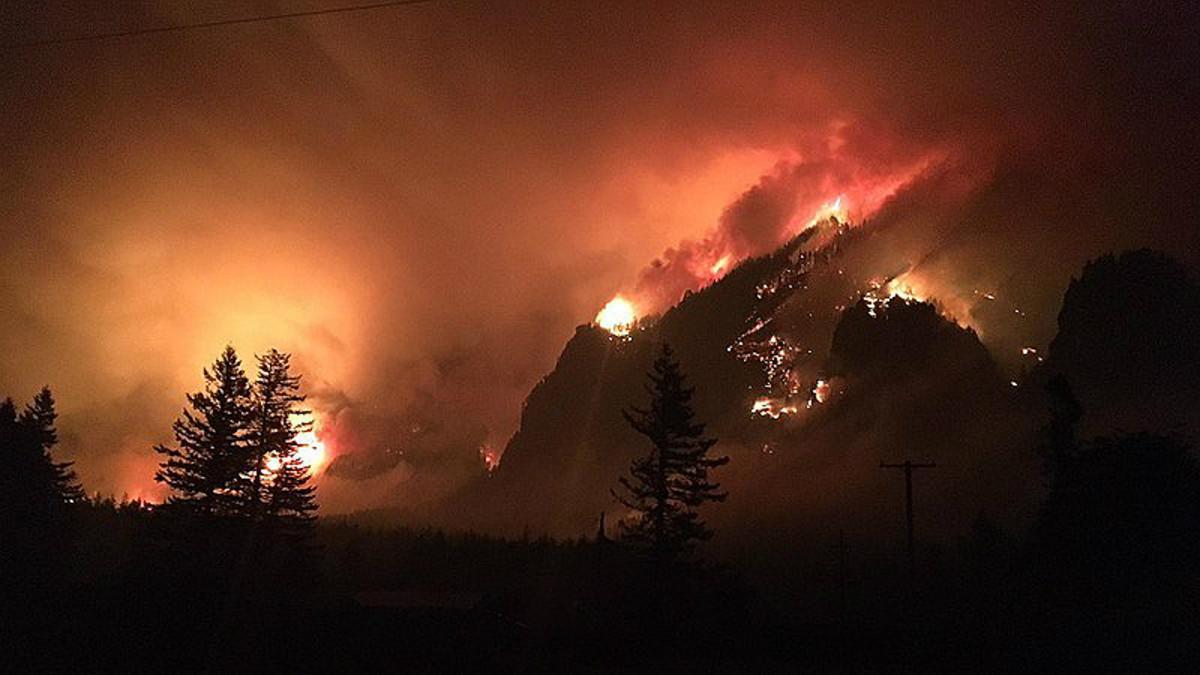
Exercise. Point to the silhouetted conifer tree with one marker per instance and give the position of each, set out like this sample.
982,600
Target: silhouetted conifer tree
35,494
278,489
39,418
668,485
213,442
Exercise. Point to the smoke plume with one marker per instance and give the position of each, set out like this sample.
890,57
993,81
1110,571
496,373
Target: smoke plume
422,203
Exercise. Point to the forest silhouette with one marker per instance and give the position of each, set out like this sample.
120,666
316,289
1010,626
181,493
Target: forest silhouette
235,571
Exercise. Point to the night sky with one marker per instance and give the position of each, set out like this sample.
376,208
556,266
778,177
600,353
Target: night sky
423,202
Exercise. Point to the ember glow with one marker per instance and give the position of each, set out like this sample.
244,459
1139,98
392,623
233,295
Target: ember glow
880,294
820,392
617,317
489,456
765,406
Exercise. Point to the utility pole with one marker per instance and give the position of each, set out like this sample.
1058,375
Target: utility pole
842,576
908,467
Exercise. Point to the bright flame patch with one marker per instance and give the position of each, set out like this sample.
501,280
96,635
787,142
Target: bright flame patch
489,456
310,450
765,406
720,265
835,209
617,317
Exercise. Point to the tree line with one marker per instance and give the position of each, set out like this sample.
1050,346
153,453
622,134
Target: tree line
236,454
237,484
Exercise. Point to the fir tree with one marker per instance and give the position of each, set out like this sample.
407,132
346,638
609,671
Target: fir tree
668,485
39,419
213,449
278,490
35,494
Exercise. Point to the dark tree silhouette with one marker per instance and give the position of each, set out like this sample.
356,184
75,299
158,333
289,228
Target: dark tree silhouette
278,488
36,494
31,477
668,485
1116,553
39,419
1061,442
1125,500
212,438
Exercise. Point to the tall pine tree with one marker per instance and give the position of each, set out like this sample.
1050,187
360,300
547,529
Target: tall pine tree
213,442
667,486
277,491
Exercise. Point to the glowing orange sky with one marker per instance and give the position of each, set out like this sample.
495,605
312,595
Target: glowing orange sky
421,205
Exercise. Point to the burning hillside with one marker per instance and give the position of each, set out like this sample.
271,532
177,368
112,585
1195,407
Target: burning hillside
783,349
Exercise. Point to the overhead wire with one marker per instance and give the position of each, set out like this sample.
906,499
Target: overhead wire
216,23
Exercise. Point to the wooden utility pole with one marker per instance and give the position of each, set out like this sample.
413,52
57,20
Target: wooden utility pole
842,575
908,467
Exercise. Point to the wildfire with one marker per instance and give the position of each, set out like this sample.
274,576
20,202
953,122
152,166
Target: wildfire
490,457
720,265
820,391
765,406
617,317
310,450
898,287
835,209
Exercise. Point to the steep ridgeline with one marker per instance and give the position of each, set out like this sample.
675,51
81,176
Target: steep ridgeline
757,345
573,443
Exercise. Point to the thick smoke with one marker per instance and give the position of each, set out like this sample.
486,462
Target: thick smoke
784,202
422,203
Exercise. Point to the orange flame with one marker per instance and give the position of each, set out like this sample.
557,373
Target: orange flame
834,209
617,317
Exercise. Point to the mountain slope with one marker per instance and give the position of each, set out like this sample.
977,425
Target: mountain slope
784,354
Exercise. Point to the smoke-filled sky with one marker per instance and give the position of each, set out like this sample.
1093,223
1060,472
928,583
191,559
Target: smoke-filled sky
422,202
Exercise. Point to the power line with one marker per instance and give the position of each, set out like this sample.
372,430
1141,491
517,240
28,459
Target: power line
178,28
